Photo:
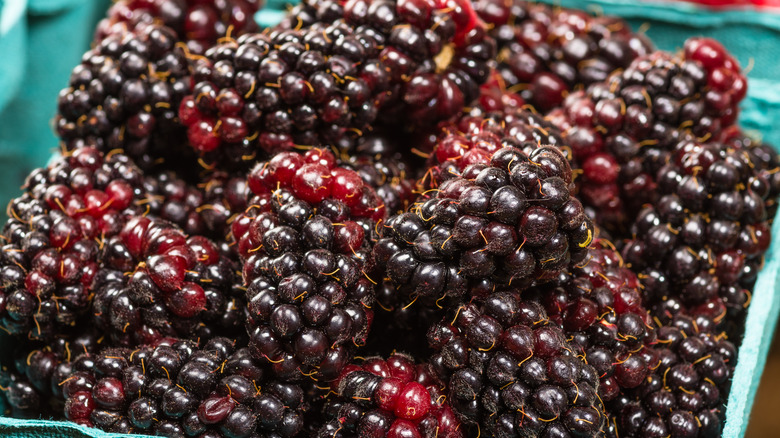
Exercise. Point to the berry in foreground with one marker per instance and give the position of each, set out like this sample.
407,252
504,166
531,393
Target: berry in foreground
511,221
304,242
391,397
511,372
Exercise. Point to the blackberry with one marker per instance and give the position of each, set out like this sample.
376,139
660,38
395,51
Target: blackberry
494,95
304,240
623,130
324,75
599,306
124,95
31,383
511,372
198,24
477,135
177,388
704,239
509,222
156,282
204,209
380,164
390,397
52,238
686,393
545,52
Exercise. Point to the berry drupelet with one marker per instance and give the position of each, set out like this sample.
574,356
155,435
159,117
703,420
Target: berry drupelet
512,222
53,236
702,243
624,129
304,241
544,52
197,23
157,282
599,306
511,372
176,388
125,94
685,395
392,398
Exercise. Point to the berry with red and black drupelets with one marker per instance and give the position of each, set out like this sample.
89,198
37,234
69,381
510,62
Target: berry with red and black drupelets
31,382
198,24
511,372
703,242
476,136
125,95
204,209
494,96
304,241
176,388
324,75
623,130
155,282
511,221
379,162
392,397
685,395
598,304
52,238
437,52
544,52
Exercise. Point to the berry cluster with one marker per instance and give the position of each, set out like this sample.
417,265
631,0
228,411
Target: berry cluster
304,240
197,23
511,372
624,129
545,52
124,95
157,282
386,218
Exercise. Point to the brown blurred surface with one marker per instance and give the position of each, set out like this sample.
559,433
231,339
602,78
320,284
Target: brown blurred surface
765,420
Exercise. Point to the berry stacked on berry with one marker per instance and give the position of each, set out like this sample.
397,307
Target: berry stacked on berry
511,372
599,306
54,235
304,241
390,397
157,282
623,130
511,221
545,52
197,23
476,136
324,80
125,94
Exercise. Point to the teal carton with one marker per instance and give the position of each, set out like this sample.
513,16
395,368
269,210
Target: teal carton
754,37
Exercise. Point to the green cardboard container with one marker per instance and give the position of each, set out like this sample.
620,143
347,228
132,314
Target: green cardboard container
753,36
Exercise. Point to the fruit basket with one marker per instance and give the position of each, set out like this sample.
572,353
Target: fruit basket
765,304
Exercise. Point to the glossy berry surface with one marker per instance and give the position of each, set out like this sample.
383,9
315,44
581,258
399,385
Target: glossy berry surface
510,371
391,397
304,242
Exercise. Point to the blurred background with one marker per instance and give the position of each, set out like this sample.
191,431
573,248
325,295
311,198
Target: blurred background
41,41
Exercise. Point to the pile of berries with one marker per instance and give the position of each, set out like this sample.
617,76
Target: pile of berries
386,218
